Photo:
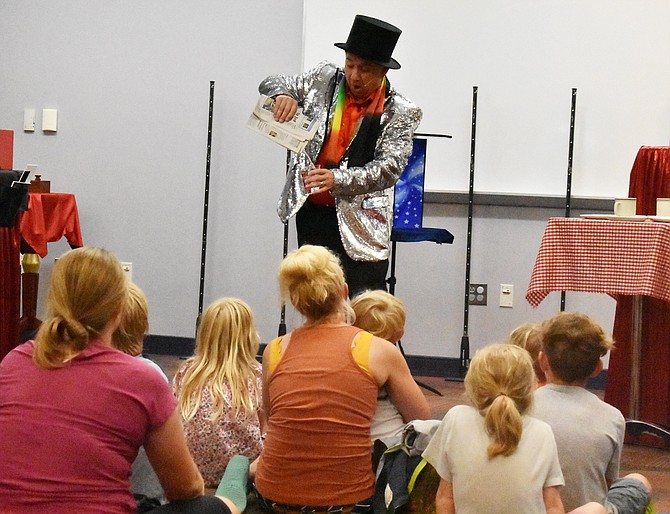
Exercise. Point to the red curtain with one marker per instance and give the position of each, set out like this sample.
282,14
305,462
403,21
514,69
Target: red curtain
10,287
650,177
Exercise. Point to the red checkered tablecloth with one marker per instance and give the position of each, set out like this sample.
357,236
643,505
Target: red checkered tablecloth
616,257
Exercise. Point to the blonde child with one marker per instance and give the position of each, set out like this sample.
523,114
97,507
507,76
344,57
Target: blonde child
219,389
383,315
528,337
493,457
129,336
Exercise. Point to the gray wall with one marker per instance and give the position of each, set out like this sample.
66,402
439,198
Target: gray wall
505,241
131,83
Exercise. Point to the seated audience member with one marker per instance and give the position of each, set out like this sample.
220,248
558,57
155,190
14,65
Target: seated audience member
320,385
493,457
129,338
527,336
383,315
589,432
134,325
219,389
74,410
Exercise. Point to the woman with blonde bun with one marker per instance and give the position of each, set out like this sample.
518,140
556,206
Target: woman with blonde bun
74,410
320,385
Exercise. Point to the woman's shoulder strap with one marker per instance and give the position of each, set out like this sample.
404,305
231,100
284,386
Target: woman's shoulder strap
274,347
360,349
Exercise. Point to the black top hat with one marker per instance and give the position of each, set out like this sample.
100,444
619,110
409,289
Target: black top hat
373,40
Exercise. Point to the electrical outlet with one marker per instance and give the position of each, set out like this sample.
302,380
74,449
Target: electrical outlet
477,294
506,295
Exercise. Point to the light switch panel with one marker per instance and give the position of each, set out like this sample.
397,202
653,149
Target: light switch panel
49,120
28,120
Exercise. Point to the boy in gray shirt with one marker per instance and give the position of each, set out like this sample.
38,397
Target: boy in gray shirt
589,433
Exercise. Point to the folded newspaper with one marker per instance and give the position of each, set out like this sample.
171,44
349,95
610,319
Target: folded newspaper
293,134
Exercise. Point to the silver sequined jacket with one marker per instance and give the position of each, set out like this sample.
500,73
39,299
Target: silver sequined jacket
363,195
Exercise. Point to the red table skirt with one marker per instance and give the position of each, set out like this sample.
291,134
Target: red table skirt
655,360
10,287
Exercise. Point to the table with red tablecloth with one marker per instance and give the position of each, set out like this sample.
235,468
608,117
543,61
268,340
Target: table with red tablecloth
50,216
629,260
617,257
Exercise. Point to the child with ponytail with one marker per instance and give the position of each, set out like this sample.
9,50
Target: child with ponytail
492,456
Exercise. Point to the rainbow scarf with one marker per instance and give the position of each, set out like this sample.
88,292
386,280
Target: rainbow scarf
334,148
339,109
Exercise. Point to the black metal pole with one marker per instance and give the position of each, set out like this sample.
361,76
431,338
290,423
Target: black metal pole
282,316
465,340
391,281
568,191
464,361
203,253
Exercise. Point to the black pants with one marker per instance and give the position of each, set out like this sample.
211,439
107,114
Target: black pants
364,507
317,225
201,505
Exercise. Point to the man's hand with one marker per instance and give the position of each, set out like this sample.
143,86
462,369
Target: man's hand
284,108
318,180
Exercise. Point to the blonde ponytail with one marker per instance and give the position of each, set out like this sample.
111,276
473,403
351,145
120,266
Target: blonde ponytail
503,424
86,291
500,383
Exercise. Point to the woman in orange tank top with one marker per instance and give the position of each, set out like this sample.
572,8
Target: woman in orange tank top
320,386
